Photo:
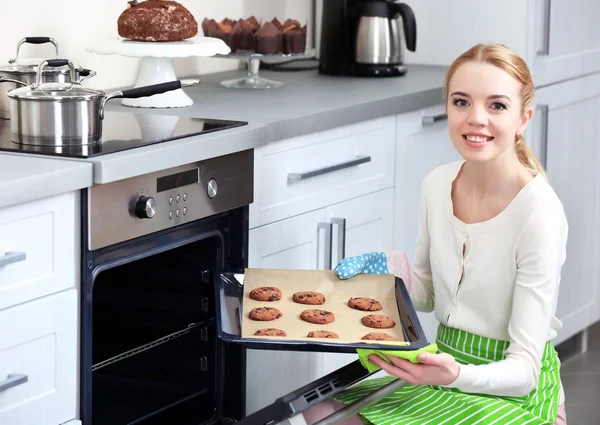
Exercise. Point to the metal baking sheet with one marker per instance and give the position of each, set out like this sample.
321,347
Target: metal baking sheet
233,305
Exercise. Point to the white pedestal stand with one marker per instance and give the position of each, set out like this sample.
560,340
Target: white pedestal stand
157,64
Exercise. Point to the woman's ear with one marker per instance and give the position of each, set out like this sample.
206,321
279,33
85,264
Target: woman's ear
525,118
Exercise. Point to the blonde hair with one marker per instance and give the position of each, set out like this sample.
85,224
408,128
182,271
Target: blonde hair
502,57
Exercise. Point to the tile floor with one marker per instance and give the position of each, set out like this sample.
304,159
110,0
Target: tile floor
581,379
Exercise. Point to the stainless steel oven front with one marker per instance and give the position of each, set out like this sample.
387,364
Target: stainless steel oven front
153,246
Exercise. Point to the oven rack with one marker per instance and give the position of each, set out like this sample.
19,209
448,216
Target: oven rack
156,343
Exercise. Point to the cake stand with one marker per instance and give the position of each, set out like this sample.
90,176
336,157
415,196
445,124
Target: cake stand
157,64
252,80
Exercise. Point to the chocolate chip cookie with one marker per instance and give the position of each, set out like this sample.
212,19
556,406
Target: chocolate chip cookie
364,304
266,293
379,336
378,321
322,334
309,297
270,332
318,317
264,314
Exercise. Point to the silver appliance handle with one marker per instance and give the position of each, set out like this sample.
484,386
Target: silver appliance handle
12,257
327,230
295,177
13,380
544,136
545,50
341,243
368,400
429,120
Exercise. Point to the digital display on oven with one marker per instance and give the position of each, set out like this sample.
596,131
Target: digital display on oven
177,180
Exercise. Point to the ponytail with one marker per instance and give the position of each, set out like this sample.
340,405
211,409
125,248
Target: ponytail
527,158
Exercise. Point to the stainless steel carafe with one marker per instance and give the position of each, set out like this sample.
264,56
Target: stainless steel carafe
384,27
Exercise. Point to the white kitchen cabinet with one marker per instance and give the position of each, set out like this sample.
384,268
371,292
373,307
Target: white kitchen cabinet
422,144
299,243
566,134
313,171
559,39
73,422
39,248
38,361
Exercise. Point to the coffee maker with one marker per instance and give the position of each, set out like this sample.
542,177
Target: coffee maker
366,37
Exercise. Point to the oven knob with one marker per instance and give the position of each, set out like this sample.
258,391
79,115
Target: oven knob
145,207
212,188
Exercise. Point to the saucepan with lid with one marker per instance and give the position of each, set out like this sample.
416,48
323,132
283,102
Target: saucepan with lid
66,114
23,71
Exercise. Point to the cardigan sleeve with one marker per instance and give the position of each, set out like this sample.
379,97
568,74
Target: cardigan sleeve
540,254
421,290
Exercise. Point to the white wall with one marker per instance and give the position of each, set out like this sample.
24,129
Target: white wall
73,22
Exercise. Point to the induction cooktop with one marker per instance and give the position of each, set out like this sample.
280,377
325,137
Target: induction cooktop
123,131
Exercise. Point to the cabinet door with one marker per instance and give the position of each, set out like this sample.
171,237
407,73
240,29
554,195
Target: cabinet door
287,244
568,127
565,40
422,144
368,224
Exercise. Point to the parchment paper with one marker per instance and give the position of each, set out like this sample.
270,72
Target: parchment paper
347,323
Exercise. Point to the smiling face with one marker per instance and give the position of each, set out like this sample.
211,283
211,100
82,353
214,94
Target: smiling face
485,112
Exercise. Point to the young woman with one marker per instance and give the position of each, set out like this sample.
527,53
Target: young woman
491,244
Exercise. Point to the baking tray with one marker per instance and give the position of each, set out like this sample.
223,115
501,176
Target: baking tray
229,293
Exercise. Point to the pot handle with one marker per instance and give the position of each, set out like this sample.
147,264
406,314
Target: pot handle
10,80
34,40
146,91
86,74
55,63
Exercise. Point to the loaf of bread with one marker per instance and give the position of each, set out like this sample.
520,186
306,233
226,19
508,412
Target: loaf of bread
156,20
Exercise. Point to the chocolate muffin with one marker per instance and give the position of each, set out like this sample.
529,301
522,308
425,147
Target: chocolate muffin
220,30
268,39
156,20
243,36
294,39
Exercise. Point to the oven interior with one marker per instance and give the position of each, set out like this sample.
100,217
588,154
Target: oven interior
155,354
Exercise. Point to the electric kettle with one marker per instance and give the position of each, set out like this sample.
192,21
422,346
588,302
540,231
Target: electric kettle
383,29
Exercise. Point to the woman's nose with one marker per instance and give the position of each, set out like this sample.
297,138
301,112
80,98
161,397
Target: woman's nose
477,116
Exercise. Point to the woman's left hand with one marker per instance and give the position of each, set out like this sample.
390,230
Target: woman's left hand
433,369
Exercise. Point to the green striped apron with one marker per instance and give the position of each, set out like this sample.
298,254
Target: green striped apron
434,405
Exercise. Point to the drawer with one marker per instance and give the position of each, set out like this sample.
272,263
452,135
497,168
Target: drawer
309,172
39,345
39,252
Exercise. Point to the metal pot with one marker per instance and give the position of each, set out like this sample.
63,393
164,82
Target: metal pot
20,72
67,114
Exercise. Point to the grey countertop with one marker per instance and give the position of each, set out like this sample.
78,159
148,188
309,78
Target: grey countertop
309,102
27,178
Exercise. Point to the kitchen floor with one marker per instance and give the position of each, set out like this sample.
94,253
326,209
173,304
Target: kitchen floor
581,380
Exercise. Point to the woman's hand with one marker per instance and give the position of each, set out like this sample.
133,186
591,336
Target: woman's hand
433,369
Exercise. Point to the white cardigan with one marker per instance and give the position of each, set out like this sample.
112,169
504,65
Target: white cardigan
509,290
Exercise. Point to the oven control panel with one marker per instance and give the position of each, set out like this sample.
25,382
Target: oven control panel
138,206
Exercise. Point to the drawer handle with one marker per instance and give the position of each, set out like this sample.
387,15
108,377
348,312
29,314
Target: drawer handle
13,380
295,177
432,119
12,257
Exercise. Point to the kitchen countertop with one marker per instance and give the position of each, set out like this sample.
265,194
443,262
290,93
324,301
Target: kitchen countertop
308,103
27,178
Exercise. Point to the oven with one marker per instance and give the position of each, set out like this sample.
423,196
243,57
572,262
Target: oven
153,248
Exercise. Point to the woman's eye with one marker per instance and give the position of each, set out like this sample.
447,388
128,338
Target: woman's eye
498,106
460,102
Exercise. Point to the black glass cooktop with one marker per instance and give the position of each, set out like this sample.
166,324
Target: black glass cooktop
123,131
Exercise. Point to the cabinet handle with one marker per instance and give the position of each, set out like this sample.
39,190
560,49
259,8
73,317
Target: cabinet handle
295,177
544,137
341,244
327,228
432,119
545,50
13,380
11,257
